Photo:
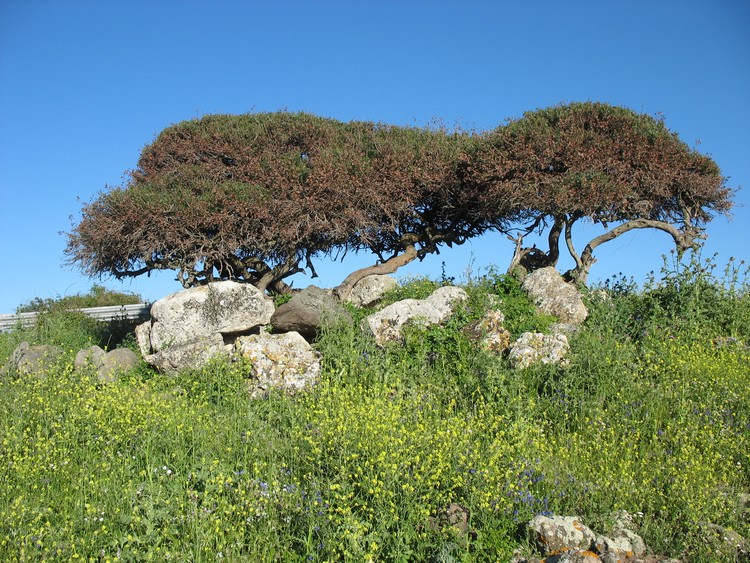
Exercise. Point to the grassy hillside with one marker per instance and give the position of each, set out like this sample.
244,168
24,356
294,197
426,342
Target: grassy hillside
651,415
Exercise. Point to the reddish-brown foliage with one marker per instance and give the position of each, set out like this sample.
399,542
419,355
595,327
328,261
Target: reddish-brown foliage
602,163
256,197
250,197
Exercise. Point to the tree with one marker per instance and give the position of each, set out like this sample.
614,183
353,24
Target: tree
224,197
251,197
601,163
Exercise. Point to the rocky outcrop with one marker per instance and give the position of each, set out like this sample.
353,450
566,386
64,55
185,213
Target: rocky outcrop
369,291
566,539
108,365
535,347
224,307
28,360
386,324
553,296
308,311
278,361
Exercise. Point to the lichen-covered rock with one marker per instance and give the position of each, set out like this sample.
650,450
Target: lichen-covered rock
490,332
386,324
535,347
553,296
190,355
308,311
28,360
224,307
370,290
279,361
560,533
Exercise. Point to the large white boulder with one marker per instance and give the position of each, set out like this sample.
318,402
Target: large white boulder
386,324
224,307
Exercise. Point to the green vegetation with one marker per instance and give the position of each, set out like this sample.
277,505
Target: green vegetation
651,415
58,323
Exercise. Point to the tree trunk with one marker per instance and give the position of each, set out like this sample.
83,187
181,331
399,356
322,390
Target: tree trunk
387,267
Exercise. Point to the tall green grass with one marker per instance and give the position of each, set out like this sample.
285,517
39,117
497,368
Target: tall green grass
651,415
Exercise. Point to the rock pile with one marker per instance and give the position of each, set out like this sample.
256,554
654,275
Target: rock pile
189,328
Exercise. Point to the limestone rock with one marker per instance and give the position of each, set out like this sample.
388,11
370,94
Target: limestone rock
28,360
386,324
190,355
490,332
370,290
553,533
143,338
279,361
535,347
224,307
308,311
553,296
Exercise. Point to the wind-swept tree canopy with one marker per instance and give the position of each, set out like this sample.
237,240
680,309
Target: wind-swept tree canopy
257,197
251,197
596,162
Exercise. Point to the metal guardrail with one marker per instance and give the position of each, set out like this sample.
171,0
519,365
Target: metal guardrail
135,312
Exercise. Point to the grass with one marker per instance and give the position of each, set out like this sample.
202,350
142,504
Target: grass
651,415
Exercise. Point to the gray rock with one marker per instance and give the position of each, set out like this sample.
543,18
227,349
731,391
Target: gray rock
115,362
28,360
91,356
386,324
534,347
308,311
225,307
558,533
279,361
190,355
553,296
107,364
369,291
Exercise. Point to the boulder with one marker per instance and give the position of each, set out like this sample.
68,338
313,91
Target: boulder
535,347
370,290
91,356
108,364
279,361
28,360
553,296
560,533
115,362
490,332
190,355
386,324
308,311
224,307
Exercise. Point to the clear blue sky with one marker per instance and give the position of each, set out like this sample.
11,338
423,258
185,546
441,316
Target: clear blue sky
84,85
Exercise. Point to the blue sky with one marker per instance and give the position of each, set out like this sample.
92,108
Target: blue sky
84,85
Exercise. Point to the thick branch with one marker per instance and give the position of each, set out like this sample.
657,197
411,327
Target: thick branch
387,267
683,239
